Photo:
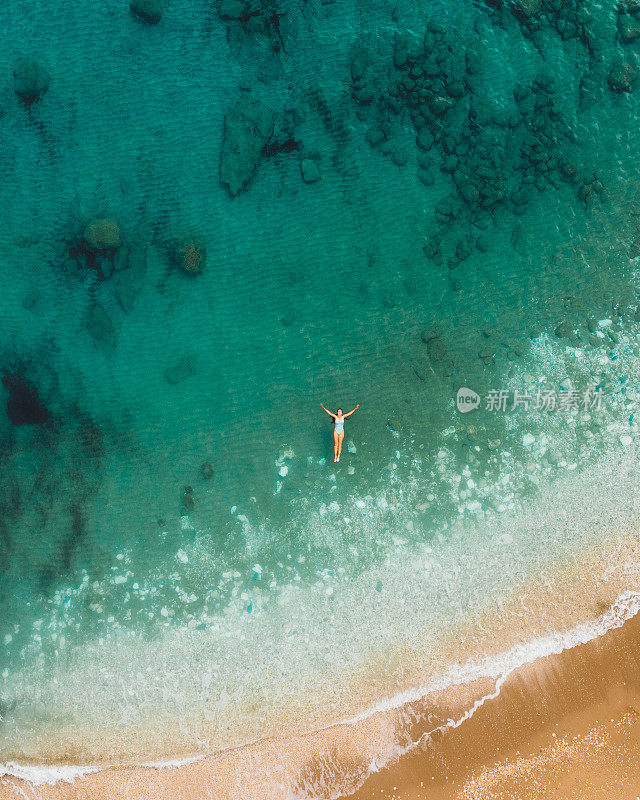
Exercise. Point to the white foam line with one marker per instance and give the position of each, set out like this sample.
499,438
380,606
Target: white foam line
175,762
625,607
39,775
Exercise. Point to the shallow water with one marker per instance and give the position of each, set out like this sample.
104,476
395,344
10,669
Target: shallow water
281,578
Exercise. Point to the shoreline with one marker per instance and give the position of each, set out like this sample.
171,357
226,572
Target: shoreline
565,724
450,718
552,597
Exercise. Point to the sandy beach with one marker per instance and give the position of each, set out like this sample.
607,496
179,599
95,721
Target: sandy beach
564,726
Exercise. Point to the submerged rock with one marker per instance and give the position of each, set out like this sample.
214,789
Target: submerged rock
97,247
100,326
359,62
432,251
126,291
77,249
232,9
426,176
564,330
309,170
425,139
187,502
180,370
447,209
437,349
207,471
128,282
30,80
495,155
24,406
247,129
32,299
628,28
147,10
527,8
440,357
482,243
190,256
102,234
464,249
623,75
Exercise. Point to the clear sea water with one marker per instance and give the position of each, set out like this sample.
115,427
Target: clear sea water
501,258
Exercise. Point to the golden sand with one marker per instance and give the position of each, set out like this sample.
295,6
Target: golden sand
566,726
572,714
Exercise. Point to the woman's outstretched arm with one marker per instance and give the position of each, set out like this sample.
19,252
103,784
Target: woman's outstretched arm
330,413
352,410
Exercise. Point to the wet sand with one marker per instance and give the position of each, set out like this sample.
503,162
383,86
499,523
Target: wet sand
565,726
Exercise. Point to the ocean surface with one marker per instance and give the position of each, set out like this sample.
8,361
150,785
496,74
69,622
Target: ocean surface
216,216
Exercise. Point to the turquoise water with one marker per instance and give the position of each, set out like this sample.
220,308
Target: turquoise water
405,198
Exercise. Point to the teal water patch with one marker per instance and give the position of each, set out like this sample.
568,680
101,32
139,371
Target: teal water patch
223,218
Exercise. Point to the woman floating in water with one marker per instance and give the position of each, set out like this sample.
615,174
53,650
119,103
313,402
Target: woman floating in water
338,431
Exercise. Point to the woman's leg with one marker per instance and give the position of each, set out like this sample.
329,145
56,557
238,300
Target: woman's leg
340,438
335,445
